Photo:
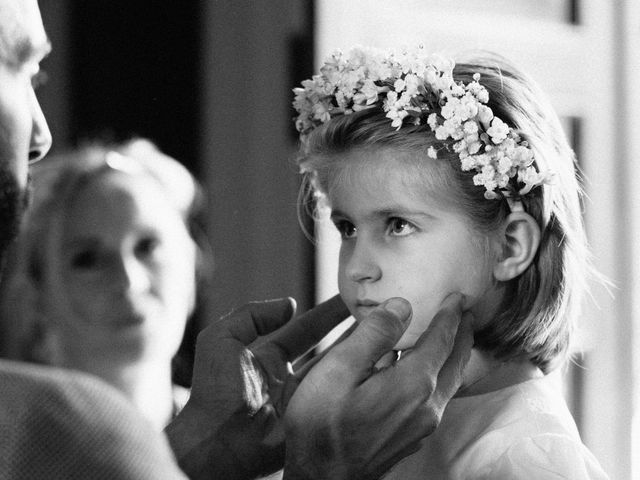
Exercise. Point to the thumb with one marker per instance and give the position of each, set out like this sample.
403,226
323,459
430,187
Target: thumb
376,335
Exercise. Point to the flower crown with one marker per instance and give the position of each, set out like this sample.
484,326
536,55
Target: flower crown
411,85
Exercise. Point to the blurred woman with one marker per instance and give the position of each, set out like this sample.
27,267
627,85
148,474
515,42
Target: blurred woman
103,276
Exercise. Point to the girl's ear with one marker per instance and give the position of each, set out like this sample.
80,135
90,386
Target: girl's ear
520,242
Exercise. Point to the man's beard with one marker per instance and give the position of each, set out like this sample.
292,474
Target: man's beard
13,203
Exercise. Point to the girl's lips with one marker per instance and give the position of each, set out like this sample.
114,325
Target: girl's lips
364,308
366,303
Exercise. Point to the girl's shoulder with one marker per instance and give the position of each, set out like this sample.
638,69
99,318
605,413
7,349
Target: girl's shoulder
522,431
546,455
530,408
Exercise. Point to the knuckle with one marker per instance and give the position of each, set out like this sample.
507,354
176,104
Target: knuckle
430,417
428,387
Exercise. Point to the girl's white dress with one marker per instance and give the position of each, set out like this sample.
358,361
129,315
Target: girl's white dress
524,431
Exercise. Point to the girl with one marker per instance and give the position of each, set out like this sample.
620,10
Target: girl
103,276
456,177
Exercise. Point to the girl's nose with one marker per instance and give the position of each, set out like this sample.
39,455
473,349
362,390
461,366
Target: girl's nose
362,265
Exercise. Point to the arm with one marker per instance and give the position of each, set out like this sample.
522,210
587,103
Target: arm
229,427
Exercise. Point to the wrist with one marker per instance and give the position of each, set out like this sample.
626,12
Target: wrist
315,467
198,450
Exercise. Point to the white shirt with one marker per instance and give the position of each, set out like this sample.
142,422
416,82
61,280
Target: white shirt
524,431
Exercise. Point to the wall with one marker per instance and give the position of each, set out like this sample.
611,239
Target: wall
253,55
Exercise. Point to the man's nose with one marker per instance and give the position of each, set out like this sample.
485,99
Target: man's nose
40,133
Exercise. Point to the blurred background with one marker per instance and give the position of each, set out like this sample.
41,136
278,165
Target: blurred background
210,83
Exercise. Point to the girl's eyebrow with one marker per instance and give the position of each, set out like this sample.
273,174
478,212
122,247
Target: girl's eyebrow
337,213
386,212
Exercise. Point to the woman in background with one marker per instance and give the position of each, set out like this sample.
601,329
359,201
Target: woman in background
103,276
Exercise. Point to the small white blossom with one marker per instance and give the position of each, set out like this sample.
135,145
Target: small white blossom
498,130
504,165
432,152
432,121
442,133
485,115
470,127
474,147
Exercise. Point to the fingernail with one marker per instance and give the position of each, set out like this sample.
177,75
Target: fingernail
400,308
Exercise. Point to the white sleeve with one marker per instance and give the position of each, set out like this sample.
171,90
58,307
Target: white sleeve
546,456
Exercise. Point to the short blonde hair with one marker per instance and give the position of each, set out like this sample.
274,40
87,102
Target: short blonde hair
541,305
56,181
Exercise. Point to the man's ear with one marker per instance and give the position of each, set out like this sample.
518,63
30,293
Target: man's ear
520,242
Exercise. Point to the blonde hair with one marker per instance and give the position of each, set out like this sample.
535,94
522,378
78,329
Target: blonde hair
541,305
56,181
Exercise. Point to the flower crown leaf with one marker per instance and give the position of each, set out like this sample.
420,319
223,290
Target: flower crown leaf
411,86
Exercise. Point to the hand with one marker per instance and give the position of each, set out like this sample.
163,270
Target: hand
347,420
229,427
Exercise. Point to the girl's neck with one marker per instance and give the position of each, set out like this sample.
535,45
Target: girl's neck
484,374
147,385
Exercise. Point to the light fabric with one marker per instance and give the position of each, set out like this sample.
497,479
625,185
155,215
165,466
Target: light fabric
56,424
524,431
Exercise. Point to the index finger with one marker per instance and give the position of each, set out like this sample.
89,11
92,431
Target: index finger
256,319
304,332
451,374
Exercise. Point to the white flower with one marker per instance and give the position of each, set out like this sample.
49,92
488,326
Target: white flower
498,130
485,115
410,84
474,147
504,165
460,146
370,91
468,163
432,121
470,127
321,112
396,116
531,178
449,109
442,133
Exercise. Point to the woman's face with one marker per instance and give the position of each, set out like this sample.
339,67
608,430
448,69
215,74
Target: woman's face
402,238
128,267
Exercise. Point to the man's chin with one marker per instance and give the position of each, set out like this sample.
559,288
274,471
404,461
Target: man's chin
13,204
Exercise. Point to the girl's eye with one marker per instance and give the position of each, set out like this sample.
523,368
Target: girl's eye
400,227
346,229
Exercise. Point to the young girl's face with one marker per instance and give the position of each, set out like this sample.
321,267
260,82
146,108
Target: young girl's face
402,238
